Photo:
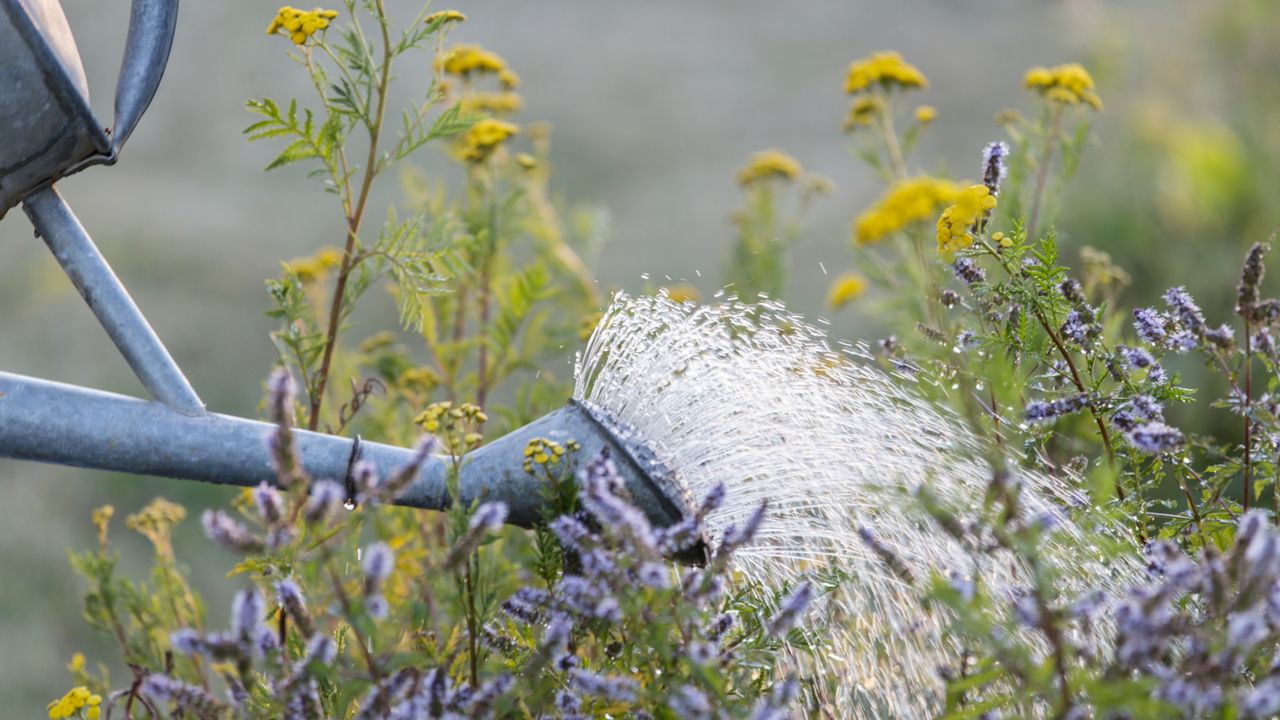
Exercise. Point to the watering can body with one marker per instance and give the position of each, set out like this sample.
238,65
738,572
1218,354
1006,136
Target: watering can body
50,129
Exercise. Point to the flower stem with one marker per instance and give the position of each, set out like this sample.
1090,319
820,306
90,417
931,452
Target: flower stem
353,226
1042,174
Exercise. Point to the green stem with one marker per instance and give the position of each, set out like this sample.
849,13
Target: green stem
1042,174
353,226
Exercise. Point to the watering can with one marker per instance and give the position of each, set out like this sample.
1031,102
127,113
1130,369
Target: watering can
50,132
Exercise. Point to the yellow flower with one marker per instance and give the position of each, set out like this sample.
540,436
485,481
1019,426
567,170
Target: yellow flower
509,79
904,203
445,16
953,225
887,69
926,114
526,161
329,258
300,25
682,293
75,699
545,453
77,663
101,518
93,713
1068,84
769,164
502,103
862,111
484,137
462,60
420,379
846,287
1000,239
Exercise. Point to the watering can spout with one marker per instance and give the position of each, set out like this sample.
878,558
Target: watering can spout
51,422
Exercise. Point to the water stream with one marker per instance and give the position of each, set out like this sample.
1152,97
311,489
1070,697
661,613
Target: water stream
756,397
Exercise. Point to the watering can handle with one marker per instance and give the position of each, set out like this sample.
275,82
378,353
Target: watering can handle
151,30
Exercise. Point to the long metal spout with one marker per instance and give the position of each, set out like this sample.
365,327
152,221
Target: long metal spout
63,424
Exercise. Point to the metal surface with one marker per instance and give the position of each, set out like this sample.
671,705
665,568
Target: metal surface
110,302
50,130
51,422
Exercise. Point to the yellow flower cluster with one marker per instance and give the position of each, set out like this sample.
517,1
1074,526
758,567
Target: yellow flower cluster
926,114
905,202
545,453
846,287
491,103
419,379
300,24
1069,84
970,206
484,137
886,69
769,164
463,60
863,111
455,427
314,268
444,16
76,699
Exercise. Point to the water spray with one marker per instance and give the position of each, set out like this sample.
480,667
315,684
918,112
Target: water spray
683,397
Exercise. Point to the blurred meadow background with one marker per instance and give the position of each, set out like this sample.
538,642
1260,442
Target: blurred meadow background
654,107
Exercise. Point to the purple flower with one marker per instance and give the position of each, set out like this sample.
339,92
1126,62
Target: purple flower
968,271
723,623
268,502
1263,700
323,503
614,689
247,611
1183,341
1155,437
689,702
379,560
1136,358
187,642
737,535
701,653
189,697
993,166
1149,325
1044,411
229,533
654,575
1189,314
791,609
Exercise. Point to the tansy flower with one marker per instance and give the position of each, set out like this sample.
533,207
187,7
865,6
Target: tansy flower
444,16
300,24
846,287
77,698
1068,84
462,60
509,79
926,114
769,164
682,293
953,226
905,202
886,69
862,111
484,137
503,103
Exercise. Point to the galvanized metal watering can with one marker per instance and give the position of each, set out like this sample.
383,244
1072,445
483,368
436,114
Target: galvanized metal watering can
49,132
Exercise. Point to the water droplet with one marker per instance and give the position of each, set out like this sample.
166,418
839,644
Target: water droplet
645,276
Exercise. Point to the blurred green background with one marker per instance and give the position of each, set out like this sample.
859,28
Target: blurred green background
655,105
